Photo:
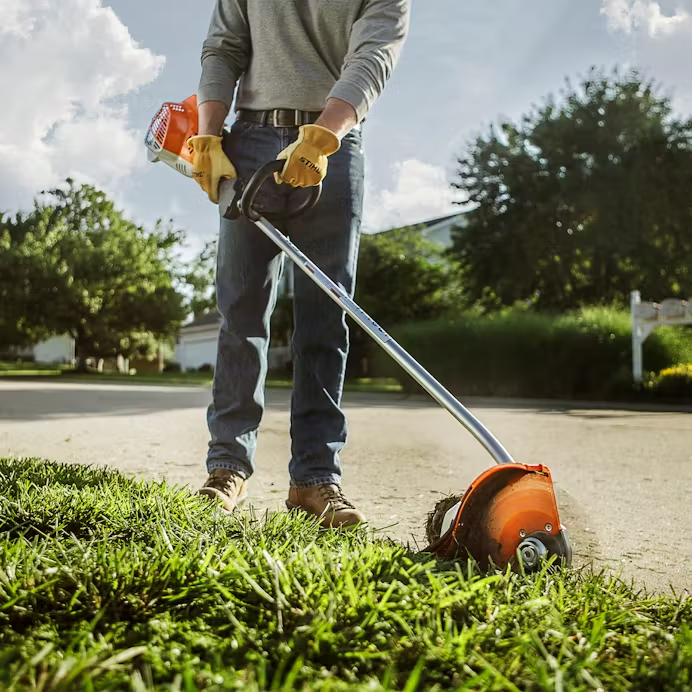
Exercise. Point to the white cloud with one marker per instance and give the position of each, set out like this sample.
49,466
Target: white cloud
630,16
657,43
421,192
63,66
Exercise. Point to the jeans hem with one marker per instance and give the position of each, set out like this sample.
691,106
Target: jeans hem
333,479
233,466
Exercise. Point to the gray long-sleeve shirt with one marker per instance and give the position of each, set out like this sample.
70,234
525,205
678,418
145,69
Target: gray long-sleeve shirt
297,53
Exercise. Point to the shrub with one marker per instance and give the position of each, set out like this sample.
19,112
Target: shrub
172,366
587,354
11,357
673,383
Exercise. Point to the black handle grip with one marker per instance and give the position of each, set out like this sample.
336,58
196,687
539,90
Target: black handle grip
256,182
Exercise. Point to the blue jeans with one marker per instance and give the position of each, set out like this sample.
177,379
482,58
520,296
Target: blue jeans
247,274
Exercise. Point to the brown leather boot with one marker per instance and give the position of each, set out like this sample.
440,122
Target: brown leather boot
227,487
327,502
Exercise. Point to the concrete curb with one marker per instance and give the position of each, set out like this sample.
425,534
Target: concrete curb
557,404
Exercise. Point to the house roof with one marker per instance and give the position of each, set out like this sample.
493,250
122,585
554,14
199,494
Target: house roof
442,219
208,320
430,223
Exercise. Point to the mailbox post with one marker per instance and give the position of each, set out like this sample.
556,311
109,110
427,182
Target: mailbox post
646,316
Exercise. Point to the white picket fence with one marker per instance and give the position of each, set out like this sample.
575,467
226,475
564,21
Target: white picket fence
646,316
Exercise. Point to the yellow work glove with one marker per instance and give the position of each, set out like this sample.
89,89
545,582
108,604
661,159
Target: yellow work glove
306,158
210,164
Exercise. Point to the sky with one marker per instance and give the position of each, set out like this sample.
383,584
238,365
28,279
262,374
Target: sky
82,80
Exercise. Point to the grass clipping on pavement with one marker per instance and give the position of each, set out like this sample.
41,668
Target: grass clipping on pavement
112,584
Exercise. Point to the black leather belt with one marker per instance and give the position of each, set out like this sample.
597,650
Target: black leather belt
281,117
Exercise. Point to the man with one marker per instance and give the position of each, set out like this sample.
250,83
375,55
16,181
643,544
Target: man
308,72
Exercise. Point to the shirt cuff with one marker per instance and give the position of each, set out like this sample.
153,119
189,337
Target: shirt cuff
353,95
214,92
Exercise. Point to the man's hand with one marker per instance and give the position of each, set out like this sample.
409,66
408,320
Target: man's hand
210,164
306,159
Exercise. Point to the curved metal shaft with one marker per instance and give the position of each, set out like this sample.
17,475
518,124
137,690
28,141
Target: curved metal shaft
412,367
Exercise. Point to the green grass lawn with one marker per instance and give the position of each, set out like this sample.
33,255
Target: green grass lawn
25,368
111,584
17,369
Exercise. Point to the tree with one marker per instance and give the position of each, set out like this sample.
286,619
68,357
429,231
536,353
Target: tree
402,277
20,267
580,202
200,278
76,265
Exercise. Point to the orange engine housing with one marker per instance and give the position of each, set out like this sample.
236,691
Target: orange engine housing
169,132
